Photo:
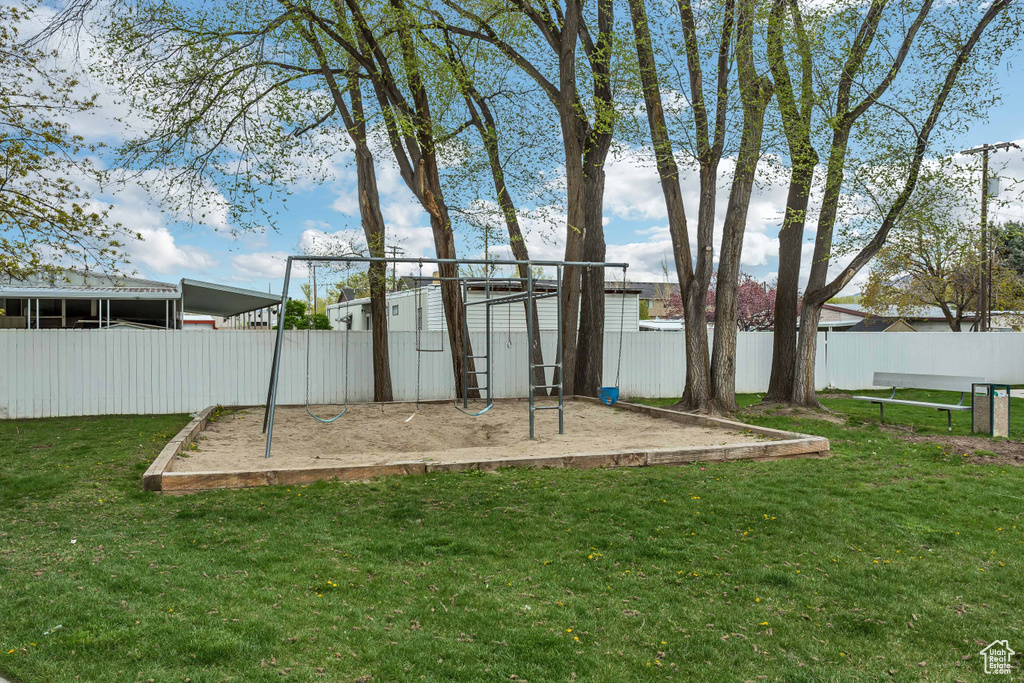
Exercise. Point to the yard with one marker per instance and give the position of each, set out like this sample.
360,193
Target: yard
898,558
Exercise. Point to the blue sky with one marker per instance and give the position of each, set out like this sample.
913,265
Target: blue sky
636,226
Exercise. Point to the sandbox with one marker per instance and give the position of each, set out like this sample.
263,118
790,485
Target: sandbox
374,440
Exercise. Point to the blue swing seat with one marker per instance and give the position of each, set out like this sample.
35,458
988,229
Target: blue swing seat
609,395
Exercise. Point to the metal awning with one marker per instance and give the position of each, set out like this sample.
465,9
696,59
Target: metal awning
222,300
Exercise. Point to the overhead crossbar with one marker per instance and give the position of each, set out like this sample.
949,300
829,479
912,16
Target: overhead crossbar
455,261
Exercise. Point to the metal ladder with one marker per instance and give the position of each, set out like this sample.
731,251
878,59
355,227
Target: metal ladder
557,377
485,357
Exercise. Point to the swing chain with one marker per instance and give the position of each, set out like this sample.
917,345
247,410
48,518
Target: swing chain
419,331
622,320
508,341
418,298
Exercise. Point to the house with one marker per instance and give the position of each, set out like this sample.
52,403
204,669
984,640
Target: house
421,306
856,318
84,300
657,296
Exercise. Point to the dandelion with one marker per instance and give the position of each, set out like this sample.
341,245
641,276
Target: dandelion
763,623
757,599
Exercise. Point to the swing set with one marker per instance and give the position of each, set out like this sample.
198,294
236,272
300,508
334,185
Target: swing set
530,295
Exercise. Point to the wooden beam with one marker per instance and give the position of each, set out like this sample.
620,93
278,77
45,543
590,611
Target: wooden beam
152,479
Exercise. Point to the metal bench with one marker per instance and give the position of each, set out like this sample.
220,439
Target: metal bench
899,380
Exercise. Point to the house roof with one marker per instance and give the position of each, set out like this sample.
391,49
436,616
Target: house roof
81,279
646,290
223,300
88,292
654,290
346,294
920,313
196,296
877,324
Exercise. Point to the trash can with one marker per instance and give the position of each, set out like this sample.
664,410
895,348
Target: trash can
990,409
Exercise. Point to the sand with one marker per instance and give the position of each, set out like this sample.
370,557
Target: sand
374,434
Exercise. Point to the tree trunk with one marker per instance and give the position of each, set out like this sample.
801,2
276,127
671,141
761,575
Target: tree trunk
489,134
796,120
373,229
451,292
697,393
692,285
416,152
573,136
590,352
723,356
370,215
787,293
807,348
755,91
818,291
590,344
571,275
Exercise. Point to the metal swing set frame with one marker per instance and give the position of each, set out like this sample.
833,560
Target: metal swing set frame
465,281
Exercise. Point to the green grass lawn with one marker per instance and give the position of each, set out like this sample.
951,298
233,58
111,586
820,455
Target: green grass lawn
890,560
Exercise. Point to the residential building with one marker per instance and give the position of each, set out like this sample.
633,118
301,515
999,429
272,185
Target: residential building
657,295
83,300
856,318
421,306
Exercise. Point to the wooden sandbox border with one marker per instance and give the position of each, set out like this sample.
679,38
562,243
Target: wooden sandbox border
153,478
159,476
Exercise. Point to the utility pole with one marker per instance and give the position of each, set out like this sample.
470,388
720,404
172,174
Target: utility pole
985,292
395,252
314,288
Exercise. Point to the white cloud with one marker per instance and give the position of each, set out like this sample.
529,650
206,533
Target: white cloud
268,265
161,253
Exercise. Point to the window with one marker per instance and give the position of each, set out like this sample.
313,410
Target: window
394,310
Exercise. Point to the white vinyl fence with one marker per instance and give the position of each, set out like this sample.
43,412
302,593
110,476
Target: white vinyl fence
94,372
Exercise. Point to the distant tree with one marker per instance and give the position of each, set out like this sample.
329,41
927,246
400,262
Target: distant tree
645,310
931,258
323,299
755,304
295,317
1009,245
48,219
674,306
320,321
